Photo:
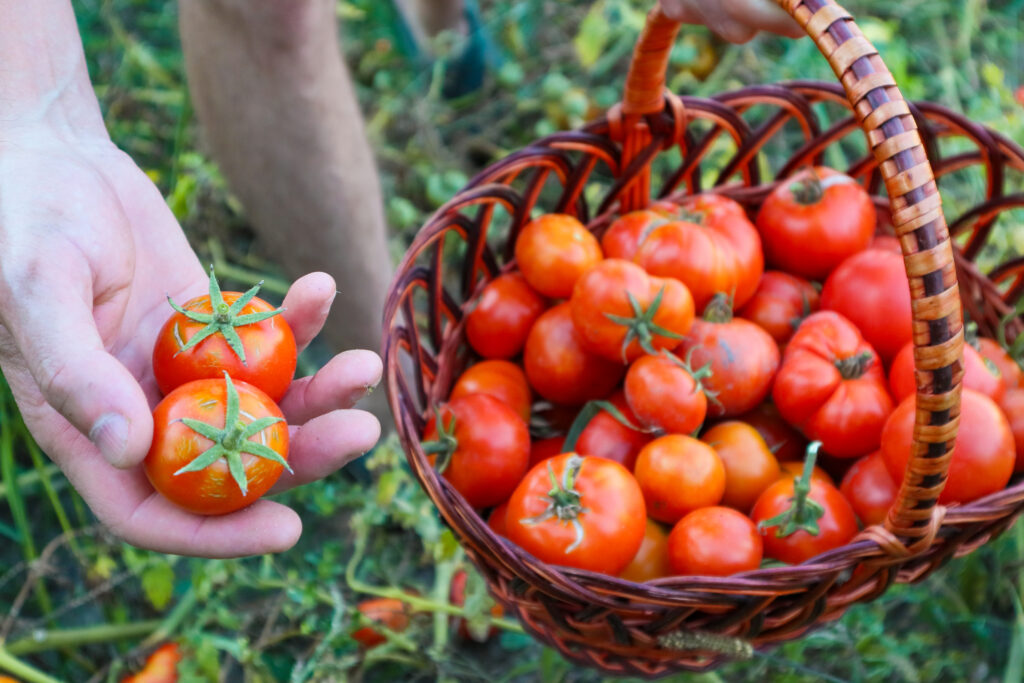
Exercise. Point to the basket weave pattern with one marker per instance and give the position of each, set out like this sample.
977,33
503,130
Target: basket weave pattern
659,145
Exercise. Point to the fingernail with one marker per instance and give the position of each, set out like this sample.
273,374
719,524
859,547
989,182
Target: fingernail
110,435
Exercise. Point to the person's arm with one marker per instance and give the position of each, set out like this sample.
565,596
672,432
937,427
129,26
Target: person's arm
88,253
735,20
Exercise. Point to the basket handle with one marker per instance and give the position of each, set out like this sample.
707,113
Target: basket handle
919,223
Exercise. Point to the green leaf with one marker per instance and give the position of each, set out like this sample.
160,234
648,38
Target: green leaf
592,37
158,584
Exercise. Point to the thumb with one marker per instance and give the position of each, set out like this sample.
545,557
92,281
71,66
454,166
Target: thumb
56,334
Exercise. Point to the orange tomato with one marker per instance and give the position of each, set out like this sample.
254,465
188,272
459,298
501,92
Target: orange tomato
750,467
501,379
677,475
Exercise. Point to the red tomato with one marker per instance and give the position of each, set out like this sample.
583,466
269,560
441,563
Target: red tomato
628,231
780,303
714,541
831,386
1009,369
542,449
391,613
482,449
606,437
496,520
160,667
457,596
714,249
665,393
651,561
886,242
620,311
978,374
592,519
233,423
677,475
783,441
743,359
983,457
553,251
750,467
1013,408
870,289
501,379
203,340
813,221
500,319
835,527
559,367
870,489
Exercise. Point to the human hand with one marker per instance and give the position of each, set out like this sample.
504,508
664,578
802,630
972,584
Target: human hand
735,20
88,253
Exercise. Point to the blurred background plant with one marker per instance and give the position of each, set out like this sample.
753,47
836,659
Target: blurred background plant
77,605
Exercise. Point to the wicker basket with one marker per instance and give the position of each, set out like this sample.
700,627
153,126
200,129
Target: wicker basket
694,622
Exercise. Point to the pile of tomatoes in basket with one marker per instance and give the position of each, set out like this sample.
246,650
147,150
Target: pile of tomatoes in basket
653,401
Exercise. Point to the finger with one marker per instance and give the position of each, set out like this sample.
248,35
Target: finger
125,502
343,381
765,15
307,304
326,444
54,330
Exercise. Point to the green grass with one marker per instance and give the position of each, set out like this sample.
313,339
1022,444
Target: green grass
89,607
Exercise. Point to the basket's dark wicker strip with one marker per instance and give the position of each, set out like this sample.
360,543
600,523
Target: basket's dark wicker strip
623,627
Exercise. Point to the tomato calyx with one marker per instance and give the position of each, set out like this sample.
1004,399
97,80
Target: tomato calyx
232,440
223,320
564,502
641,325
445,445
803,513
811,189
854,366
719,309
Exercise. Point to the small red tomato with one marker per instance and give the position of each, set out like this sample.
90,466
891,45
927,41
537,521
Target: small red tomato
558,366
606,437
785,442
780,303
870,489
542,449
813,221
391,613
978,374
620,311
677,475
553,251
714,541
627,232
651,561
983,456
457,596
714,248
496,520
886,242
217,446
160,667
742,358
501,379
501,318
665,393
750,467
233,332
1009,369
792,530
480,446
578,512
1013,407
831,386
871,290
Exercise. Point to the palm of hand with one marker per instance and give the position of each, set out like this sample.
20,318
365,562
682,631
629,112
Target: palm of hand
90,252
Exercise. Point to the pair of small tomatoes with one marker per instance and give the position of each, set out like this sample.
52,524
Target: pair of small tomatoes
220,441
